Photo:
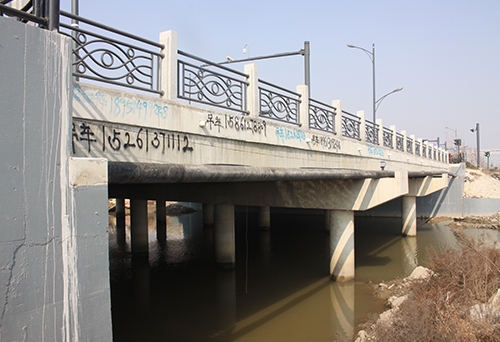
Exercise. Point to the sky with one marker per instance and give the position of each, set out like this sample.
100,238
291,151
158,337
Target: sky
444,53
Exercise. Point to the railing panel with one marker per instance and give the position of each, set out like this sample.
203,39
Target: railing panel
388,135
417,148
278,104
371,132
409,145
351,126
105,54
322,116
400,142
224,88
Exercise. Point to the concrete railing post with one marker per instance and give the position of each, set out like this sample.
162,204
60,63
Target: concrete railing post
380,136
394,133
303,90
420,147
168,75
412,137
253,101
337,104
404,140
362,125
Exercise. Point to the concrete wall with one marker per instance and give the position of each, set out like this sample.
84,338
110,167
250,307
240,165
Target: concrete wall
54,278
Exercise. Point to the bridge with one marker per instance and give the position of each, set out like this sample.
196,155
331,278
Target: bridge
126,118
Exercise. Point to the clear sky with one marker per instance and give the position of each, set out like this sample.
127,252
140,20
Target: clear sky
445,53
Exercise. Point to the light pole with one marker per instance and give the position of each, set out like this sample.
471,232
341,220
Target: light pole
379,101
304,52
477,144
371,55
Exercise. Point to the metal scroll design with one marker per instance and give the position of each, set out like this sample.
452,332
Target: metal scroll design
371,132
108,55
400,142
409,145
322,116
387,135
212,88
417,148
351,126
276,104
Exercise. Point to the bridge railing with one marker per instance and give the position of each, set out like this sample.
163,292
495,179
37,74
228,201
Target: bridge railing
225,88
351,125
322,116
371,132
102,53
277,103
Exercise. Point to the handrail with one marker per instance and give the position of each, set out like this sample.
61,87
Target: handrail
23,15
275,105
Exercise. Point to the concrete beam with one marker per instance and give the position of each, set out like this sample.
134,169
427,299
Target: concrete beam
420,187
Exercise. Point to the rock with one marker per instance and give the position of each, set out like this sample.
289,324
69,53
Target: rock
488,311
362,335
420,273
395,301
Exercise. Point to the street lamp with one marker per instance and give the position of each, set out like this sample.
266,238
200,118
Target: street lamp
304,52
371,55
477,144
379,101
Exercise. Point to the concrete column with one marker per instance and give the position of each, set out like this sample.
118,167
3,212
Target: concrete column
224,235
168,77
337,104
303,90
139,226
409,215
264,218
161,221
120,221
342,297
208,214
341,245
253,104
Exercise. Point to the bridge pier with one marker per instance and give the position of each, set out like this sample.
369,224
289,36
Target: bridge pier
341,244
225,254
161,220
409,215
208,214
265,217
139,226
120,221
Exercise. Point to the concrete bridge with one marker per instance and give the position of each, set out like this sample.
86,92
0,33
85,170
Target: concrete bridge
221,138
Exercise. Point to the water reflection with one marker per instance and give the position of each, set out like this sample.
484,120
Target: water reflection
279,290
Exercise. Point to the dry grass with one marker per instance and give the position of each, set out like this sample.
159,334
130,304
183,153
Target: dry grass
438,309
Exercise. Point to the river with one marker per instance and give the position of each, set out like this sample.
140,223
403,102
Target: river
279,290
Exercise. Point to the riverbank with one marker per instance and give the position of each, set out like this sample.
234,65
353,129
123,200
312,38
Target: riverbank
458,299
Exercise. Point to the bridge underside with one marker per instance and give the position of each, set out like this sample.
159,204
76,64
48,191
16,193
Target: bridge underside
339,191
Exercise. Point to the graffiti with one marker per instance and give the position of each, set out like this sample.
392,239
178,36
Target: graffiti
236,122
326,142
104,137
119,106
284,134
375,150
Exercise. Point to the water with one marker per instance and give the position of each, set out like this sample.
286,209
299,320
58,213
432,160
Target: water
279,291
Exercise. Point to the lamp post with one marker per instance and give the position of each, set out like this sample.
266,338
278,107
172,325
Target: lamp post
477,144
371,55
304,52
379,101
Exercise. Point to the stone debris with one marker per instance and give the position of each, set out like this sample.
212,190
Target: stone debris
487,311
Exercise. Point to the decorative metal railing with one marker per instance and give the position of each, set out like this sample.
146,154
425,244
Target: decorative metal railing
371,132
417,148
387,136
322,116
409,145
400,142
278,103
105,54
351,126
225,88
45,13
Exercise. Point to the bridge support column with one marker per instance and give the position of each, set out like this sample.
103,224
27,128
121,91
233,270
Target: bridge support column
139,226
341,245
264,218
161,220
120,221
409,215
208,214
225,255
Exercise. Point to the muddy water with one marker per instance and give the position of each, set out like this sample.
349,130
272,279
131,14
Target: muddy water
279,291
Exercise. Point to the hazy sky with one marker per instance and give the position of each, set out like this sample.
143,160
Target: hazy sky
446,54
